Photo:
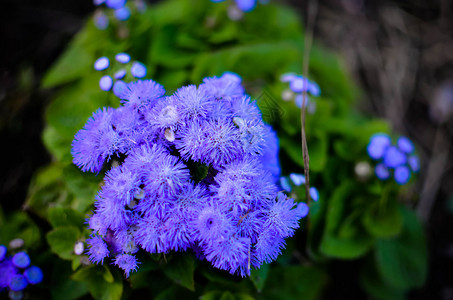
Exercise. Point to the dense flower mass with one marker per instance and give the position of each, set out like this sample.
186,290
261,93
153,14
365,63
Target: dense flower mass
399,158
196,170
298,85
16,273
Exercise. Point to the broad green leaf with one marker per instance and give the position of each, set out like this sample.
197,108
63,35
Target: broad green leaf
95,278
373,284
62,239
382,221
180,268
75,62
342,237
294,282
57,144
402,260
47,188
59,216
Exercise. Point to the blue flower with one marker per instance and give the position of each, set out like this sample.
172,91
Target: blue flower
123,58
126,262
394,157
282,216
21,260
101,63
97,249
378,145
402,175
2,252
142,92
405,145
115,3
246,5
34,275
18,282
123,13
382,172
138,70
105,83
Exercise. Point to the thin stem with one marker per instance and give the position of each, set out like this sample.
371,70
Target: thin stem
312,11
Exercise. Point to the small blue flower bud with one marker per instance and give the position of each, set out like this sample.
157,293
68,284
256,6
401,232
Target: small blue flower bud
299,85
123,58
34,275
101,21
382,172
405,145
119,87
402,175
98,2
21,260
138,70
378,145
314,194
246,5
297,179
394,157
105,83
15,295
115,4
284,183
302,209
123,13
18,282
414,163
3,251
120,74
101,63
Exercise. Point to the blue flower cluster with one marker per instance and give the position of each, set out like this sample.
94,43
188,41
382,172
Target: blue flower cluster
196,170
400,157
297,86
288,183
245,5
119,79
121,11
16,273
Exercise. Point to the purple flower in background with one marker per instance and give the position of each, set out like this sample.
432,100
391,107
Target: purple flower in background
393,157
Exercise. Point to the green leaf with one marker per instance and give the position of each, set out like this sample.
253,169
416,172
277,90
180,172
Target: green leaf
342,236
84,186
63,288
402,260
95,278
57,144
259,276
180,268
47,188
373,284
59,216
382,221
62,239
76,61
294,282
227,296
18,225
74,104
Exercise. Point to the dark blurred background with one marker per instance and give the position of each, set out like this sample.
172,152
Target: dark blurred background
400,53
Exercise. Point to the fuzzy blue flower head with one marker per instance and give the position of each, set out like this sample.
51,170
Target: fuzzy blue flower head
198,170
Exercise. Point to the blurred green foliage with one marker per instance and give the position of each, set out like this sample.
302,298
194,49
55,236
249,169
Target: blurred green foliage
182,42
